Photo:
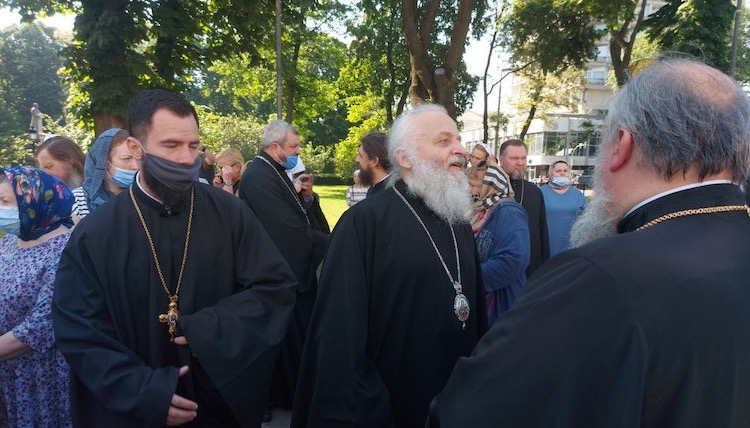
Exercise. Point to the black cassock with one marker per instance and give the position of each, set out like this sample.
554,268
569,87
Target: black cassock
301,241
235,300
530,197
384,337
646,329
377,187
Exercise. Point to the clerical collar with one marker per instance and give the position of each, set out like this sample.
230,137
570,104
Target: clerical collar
382,179
707,195
675,190
274,162
140,186
155,203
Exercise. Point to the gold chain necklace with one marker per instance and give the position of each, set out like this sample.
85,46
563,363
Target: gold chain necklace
696,211
173,312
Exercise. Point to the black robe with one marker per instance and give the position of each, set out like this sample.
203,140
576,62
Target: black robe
384,338
378,187
643,329
530,197
235,300
272,198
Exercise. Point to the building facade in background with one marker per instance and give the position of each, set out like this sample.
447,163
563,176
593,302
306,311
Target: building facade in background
572,134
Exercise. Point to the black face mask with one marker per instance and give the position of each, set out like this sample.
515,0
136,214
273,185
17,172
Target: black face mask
173,175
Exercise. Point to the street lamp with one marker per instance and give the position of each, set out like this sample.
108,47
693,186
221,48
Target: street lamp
33,135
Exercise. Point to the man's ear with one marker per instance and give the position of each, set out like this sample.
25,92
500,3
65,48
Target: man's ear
403,160
134,147
622,151
375,161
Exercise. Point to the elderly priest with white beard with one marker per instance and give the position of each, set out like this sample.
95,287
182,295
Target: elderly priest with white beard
400,296
648,325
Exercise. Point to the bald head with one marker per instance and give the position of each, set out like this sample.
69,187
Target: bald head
682,115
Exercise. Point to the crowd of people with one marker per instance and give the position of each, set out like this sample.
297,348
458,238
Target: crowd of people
151,282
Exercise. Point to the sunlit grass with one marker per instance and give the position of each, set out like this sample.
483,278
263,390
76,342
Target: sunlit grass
332,202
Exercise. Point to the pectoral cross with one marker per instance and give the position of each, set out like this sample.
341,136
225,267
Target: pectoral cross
170,318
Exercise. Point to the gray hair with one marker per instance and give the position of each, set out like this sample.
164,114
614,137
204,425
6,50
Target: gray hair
277,131
682,112
401,138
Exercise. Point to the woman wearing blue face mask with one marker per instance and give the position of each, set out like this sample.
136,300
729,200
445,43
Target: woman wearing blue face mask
562,203
35,211
109,169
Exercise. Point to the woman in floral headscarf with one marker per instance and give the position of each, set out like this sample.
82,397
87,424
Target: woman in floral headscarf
35,210
501,230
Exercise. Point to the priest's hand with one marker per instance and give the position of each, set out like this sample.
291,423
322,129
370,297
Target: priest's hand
181,410
181,340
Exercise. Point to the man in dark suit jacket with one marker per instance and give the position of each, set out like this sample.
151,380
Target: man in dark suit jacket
646,323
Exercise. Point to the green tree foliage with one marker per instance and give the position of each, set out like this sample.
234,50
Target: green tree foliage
319,111
436,35
701,28
318,159
366,117
29,63
558,34
380,58
553,34
544,92
124,46
240,131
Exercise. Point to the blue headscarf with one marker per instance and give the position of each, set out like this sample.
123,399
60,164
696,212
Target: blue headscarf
44,202
95,169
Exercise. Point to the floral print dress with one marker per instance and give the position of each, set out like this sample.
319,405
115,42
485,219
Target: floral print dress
34,386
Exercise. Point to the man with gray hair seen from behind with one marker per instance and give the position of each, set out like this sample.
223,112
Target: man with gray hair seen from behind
270,193
401,297
645,324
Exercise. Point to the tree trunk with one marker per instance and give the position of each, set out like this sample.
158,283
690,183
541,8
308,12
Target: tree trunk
392,75
104,120
439,83
291,83
621,44
279,68
107,61
527,124
485,92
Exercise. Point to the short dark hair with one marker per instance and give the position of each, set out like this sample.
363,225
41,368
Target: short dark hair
65,150
552,165
511,142
142,107
375,145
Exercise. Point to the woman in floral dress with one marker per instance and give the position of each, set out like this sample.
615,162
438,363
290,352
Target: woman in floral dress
35,212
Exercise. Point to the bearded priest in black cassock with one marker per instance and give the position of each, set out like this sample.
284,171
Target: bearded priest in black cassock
648,326
400,296
170,300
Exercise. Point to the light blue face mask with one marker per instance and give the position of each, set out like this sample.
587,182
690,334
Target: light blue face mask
10,221
291,161
123,177
561,181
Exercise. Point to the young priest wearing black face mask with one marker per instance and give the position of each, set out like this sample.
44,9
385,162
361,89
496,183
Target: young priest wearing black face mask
170,300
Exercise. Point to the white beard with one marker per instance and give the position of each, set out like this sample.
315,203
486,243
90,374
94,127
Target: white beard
444,192
601,215
598,220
